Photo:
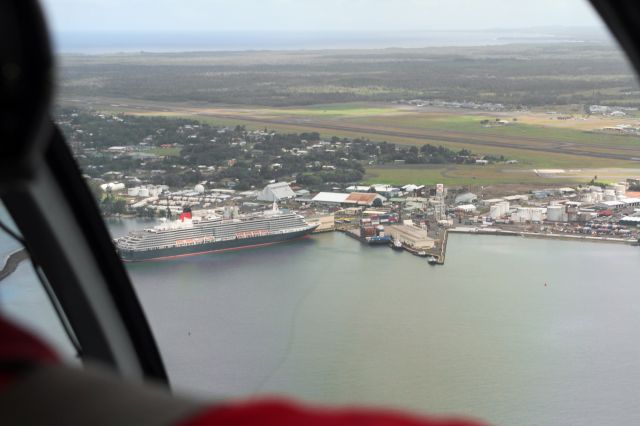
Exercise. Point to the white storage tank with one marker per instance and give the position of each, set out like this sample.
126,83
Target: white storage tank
499,210
537,215
555,213
494,212
199,188
504,207
523,214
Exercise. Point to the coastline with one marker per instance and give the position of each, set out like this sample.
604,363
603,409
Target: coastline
440,250
566,237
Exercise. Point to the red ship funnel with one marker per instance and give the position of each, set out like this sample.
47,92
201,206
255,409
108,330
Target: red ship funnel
186,214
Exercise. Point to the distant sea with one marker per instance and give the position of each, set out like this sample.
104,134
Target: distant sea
103,42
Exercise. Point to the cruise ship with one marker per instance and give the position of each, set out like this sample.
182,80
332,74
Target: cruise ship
193,235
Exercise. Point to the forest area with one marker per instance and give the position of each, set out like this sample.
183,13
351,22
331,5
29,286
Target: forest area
513,75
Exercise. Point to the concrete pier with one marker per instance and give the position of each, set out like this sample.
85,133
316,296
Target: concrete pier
326,223
567,237
412,236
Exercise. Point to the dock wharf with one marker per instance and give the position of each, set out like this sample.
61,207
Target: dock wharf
416,240
527,234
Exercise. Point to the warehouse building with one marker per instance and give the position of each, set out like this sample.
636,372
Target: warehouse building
367,199
276,192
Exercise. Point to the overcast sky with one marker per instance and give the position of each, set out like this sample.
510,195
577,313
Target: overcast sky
314,15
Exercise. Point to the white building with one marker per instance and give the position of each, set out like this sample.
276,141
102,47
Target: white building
276,192
466,208
358,188
411,188
112,187
330,198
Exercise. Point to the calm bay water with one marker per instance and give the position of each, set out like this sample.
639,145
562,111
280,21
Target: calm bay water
332,321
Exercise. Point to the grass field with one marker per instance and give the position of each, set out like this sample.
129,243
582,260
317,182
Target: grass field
517,129
490,175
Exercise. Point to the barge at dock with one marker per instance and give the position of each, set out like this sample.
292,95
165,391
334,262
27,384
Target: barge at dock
199,235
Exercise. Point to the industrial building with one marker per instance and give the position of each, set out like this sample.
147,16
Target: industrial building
557,213
276,192
528,214
620,204
355,198
466,198
412,236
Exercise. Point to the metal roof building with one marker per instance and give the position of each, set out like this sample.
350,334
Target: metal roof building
364,198
466,198
354,198
330,197
276,192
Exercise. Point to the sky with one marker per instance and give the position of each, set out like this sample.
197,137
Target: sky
313,15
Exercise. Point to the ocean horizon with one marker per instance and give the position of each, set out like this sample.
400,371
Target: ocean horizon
86,42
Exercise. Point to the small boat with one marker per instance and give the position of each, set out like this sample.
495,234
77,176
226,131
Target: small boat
396,245
432,260
378,240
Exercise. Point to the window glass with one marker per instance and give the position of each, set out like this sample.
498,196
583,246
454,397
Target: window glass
23,298
473,167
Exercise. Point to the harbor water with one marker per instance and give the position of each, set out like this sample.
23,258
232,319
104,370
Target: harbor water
509,330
